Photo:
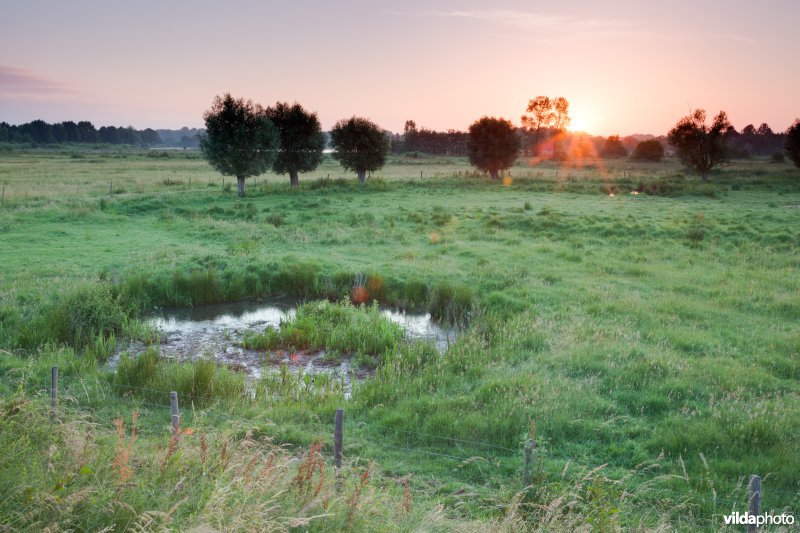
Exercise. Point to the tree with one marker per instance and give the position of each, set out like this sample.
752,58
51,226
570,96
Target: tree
540,115
240,140
301,140
650,150
360,145
613,147
493,145
698,146
793,142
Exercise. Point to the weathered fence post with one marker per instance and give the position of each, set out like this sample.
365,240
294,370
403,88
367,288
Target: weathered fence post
53,390
176,418
338,437
754,500
526,469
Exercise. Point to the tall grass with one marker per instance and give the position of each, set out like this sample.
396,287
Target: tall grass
339,329
151,377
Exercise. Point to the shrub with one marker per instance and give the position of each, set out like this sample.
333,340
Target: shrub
82,315
650,150
613,148
778,157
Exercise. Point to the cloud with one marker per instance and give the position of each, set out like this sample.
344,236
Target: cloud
20,82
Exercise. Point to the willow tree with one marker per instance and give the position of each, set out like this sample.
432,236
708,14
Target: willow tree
699,146
240,140
493,145
301,140
359,145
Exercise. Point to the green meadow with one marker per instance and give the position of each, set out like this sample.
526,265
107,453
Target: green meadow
641,325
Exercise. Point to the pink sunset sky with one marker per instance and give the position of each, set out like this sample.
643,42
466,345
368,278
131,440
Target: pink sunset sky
626,67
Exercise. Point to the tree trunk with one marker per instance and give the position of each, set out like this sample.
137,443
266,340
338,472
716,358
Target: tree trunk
294,179
362,176
494,175
240,186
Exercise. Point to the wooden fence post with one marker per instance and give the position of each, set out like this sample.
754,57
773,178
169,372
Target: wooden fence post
53,390
338,437
176,418
754,500
526,469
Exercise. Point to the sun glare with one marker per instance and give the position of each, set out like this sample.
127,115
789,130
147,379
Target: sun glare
581,123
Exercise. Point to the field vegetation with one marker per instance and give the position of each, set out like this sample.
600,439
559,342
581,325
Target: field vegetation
640,323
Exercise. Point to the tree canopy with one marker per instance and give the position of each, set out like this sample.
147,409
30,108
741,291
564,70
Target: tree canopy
359,145
493,145
546,114
240,140
698,146
793,142
613,148
649,150
301,140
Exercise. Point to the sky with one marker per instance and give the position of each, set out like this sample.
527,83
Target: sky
626,67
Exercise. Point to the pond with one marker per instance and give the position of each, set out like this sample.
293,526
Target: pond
216,331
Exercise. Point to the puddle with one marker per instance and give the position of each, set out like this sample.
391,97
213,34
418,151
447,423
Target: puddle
216,331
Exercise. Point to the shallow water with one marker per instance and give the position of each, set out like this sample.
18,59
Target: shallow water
216,331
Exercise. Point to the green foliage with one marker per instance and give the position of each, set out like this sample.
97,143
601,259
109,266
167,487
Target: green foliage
698,146
301,140
793,143
336,328
493,145
360,145
453,304
85,316
649,150
150,377
240,140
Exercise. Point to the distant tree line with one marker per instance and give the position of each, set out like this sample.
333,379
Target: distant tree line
450,142
753,141
41,132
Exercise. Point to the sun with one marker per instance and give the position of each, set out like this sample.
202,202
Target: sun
581,123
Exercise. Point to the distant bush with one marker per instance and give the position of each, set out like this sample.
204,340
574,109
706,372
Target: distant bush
613,148
650,150
778,157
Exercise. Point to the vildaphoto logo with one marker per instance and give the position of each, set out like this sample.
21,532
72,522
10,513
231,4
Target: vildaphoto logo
764,519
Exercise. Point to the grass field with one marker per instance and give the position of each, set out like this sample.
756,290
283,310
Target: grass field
651,338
